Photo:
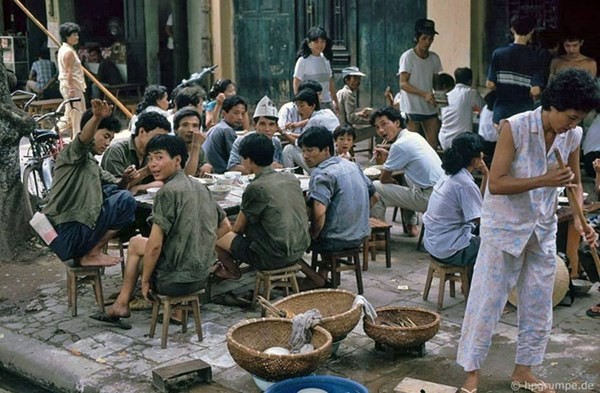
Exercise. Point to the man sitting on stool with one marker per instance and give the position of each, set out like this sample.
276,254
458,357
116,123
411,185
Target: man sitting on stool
271,230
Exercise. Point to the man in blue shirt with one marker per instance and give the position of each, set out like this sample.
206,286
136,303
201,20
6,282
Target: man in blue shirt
516,71
43,73
219,141
338,195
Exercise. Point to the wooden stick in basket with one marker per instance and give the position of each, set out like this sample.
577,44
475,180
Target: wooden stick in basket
268,306
576,207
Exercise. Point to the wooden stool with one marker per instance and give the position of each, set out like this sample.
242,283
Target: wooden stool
445,273
279,278
337,262
87,274
371,243
185,303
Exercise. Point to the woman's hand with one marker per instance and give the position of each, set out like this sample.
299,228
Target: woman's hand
586,231
220,98
596,165
557,177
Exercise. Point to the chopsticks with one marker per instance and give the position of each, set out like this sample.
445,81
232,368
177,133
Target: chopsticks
577,208
381,145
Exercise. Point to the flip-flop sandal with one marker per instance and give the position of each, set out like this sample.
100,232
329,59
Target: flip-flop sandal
593,314
115,321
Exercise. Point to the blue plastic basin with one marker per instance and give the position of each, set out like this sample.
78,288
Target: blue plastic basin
329,384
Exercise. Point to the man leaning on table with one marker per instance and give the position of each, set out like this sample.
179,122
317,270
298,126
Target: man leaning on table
265,119
411,154
122,154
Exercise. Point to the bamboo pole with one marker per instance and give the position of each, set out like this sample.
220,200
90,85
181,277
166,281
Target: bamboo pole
106,92
576,207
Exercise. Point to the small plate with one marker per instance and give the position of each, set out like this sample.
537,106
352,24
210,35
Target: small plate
563,200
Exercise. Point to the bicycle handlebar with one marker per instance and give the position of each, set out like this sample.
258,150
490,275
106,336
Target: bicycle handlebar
28,93
59,110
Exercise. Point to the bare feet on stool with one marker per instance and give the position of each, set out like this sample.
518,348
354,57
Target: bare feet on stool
99,259
412,230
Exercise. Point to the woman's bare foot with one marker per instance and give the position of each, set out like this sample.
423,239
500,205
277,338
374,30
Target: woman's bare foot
99,259
523,378
471,382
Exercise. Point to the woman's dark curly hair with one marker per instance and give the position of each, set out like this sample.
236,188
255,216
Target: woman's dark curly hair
572,89
152,94
219,87
313,34
465,147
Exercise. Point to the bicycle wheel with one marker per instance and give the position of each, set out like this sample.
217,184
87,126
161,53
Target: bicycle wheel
34,188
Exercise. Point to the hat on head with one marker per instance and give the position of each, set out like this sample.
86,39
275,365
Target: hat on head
425,26
266,108
351,71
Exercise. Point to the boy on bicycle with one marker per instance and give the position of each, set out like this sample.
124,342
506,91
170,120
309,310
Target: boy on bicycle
88,205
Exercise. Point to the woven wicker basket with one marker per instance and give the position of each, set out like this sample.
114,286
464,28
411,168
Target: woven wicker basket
428,324
248,340
561,285
335,306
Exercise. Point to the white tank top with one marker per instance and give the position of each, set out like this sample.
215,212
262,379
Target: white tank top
77,67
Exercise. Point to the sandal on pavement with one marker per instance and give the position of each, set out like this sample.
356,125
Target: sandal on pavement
592,313
465,390
115,321
535,387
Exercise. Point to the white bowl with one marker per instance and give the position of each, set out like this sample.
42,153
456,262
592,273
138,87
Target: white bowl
233,174
219,192
152,191
225,181
207,181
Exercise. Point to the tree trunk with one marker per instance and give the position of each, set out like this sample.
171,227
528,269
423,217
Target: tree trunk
14,124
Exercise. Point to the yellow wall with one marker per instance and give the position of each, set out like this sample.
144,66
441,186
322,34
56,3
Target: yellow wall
222,38
453,21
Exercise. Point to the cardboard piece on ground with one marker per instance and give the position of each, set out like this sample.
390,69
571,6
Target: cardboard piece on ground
411,385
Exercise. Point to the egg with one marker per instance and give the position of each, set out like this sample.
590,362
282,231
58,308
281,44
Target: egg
277,351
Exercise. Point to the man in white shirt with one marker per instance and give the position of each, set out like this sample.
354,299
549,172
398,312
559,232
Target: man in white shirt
307,105
457,117
417,69
411,154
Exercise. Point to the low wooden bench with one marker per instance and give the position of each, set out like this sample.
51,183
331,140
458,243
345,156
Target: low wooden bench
40,107
161,375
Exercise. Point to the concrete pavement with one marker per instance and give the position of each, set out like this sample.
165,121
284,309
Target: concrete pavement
81,355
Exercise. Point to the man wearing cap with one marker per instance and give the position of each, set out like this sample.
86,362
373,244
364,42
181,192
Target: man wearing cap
417,70
265,118
348,112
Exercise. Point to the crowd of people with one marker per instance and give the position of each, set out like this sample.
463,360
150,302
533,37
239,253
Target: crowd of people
505,227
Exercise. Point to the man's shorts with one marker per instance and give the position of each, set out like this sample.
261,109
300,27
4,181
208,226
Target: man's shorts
241,252
420,118
76,239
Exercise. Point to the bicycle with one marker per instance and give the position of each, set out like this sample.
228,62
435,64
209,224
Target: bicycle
44,146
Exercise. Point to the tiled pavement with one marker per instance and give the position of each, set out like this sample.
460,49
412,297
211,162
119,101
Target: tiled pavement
80,354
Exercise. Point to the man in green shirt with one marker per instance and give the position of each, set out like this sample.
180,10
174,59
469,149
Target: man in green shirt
186,124
271,230
86,206
123,154
186,222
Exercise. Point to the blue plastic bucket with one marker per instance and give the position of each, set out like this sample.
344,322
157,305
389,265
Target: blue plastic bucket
326,383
